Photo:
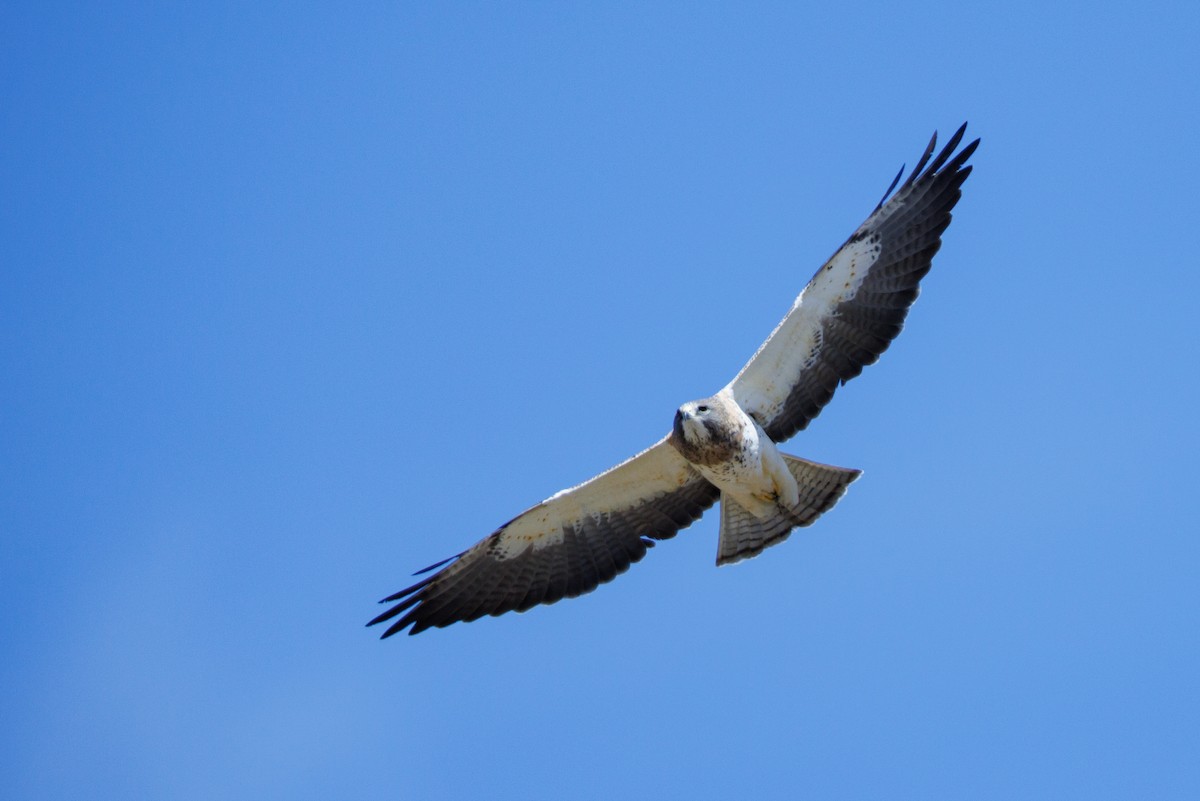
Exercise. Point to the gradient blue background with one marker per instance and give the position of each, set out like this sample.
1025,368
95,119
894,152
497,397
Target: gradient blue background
296,300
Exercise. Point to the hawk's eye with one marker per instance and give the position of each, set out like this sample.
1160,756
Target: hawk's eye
702,409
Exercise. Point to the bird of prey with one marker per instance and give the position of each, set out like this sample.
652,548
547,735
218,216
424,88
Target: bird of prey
722,447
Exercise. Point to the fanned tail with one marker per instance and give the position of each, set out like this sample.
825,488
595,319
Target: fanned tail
743,535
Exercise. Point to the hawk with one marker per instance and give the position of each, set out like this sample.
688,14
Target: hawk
719,448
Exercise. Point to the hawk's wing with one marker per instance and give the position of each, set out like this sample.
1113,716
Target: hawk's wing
563,547
855,305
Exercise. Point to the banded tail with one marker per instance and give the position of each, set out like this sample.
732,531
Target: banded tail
743,535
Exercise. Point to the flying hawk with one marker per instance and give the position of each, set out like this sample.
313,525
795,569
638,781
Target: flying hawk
723,447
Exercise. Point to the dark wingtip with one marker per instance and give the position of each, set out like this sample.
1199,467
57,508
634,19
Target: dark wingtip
916,173
925,167
395,628
401,624
408,597
436,565
895,181
396,596
931,165
962,157
954,140
416,629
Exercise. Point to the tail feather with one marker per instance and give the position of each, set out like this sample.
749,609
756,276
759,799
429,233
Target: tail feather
743,535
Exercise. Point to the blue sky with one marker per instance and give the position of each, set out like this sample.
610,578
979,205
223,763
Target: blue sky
295,301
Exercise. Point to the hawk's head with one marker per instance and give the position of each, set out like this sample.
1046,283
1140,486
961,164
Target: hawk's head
707,431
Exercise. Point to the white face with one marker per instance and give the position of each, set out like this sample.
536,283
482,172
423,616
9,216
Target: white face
710,431
690,421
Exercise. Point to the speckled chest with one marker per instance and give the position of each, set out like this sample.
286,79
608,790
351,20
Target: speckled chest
737,462
729,453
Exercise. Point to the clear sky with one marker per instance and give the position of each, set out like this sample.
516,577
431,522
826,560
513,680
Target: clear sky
295,301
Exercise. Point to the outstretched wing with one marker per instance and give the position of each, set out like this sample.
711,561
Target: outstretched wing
565,546
855,305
